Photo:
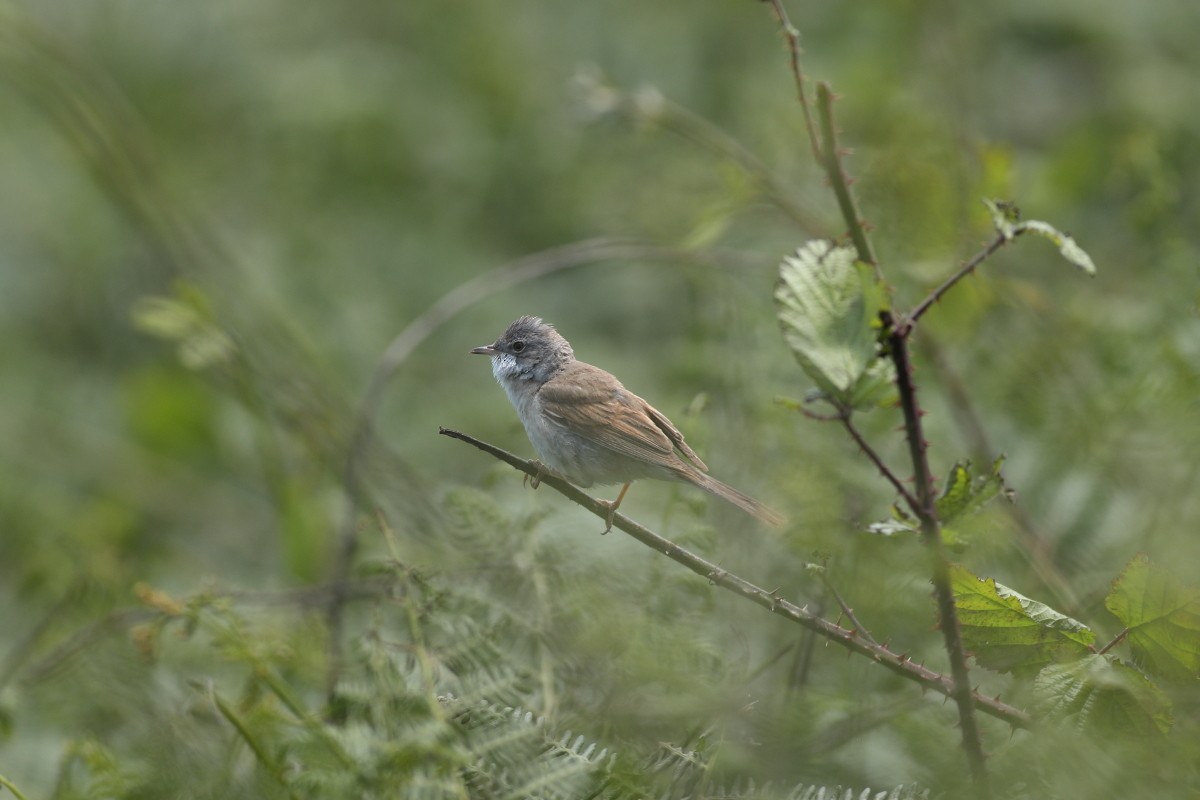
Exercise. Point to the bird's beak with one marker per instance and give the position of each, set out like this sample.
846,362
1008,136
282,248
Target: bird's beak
486,350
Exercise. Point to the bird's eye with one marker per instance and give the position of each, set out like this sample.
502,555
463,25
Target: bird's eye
518,346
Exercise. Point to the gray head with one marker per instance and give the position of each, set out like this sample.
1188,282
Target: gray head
529,350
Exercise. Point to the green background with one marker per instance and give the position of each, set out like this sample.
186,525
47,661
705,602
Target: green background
308,179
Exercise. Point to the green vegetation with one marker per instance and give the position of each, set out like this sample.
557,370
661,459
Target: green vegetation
246,246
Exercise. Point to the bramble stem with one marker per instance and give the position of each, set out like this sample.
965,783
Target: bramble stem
832,162
898,663
931,535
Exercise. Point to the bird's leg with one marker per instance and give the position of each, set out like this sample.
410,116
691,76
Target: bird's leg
536,480
612,506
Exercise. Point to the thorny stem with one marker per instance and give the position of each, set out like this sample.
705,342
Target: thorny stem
897,332
846,609
898,663
931,534
963,271
793,38
832,161
883,468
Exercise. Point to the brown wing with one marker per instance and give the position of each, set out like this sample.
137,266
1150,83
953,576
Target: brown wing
592,402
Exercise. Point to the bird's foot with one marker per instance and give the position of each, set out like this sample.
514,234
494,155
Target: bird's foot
536,480
612,506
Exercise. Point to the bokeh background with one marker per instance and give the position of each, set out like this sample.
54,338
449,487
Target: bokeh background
216,217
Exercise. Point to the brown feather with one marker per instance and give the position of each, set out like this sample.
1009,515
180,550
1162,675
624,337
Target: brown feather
593,402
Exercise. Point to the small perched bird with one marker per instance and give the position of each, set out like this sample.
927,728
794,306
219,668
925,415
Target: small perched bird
589,428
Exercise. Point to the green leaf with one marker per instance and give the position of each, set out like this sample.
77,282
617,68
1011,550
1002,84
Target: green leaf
875,387
1008,632
1108,695
1006,217
894,527
1163,618
1067,247
965,493
828,306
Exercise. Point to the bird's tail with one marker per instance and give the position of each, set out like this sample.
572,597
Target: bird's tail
759,511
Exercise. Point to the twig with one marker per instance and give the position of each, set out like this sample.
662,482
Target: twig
793,39
849,639
450,304
931,535
840,182
846,609
883,468
1120,637
965,270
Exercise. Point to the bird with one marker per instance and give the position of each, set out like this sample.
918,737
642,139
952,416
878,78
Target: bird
587,427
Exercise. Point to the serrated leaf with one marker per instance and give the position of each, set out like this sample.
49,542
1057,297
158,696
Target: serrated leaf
1102,694
1067,247
965,492
875,387
1163,618
1008,632
1006,218
828,306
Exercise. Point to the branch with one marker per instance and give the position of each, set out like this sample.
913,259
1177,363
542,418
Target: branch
963,272
1116,640
793,39
898,663
846,609
883,468
840,182
931,535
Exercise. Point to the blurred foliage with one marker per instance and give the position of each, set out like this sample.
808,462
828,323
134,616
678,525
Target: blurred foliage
217,216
